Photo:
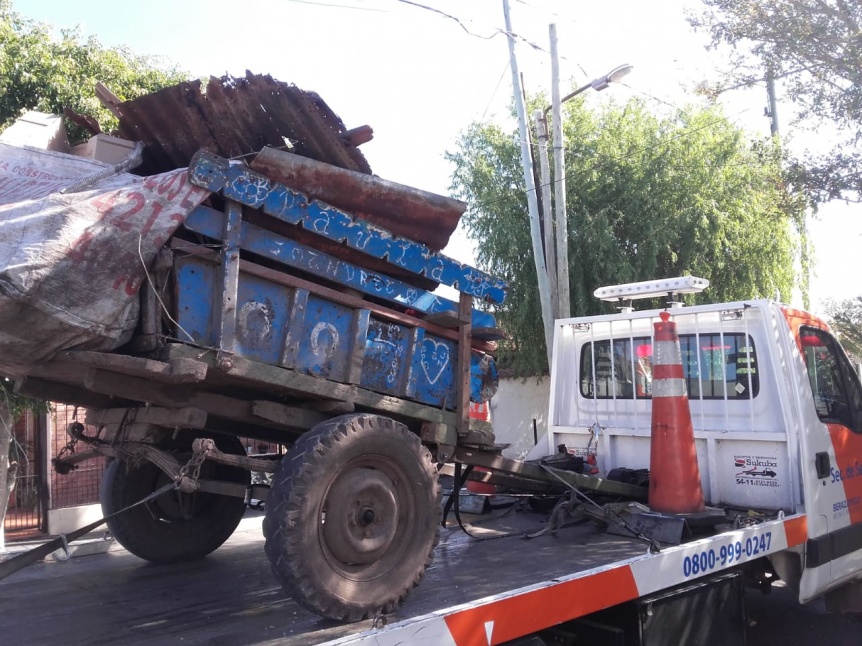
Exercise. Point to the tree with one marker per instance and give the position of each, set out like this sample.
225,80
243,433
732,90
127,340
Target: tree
646,198
845,317
814,46
12,408
38,72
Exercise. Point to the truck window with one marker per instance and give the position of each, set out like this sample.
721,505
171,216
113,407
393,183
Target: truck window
834,383
715,366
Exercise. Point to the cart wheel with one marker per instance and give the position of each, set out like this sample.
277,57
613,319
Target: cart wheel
352,517
174,527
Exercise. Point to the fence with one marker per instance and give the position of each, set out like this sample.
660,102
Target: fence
25,512
81,486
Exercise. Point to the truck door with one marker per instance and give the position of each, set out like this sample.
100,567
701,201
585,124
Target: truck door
836,555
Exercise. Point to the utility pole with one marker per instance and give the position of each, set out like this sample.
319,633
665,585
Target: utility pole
772,110
561,221
547,209
532,201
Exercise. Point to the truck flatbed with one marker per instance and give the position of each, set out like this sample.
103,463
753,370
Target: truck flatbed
141,603
229,597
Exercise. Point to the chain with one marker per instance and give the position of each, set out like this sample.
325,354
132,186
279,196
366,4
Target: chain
75,431
187,479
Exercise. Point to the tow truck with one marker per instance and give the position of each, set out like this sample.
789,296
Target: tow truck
190,308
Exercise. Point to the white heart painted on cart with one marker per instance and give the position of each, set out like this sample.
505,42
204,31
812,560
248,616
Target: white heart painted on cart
435,360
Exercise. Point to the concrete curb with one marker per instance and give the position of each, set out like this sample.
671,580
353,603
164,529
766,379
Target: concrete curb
101,541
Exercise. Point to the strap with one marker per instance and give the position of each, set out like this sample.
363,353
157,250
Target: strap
39,552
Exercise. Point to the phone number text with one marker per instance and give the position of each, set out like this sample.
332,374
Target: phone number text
727,554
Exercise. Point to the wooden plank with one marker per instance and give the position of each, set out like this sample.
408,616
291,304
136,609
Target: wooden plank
465,306
143,390
230,275
299,417
211,172
294,336
253,372
185,371
349,300
62,393
449,320
359,334
291,253
171,417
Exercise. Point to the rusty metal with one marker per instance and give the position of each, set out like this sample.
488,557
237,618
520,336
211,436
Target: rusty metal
405,211
541,473
234,117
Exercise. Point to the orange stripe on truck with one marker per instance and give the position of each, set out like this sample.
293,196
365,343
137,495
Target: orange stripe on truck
848,451
796,530
500,621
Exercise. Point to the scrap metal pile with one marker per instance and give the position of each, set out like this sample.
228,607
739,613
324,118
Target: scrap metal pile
80,226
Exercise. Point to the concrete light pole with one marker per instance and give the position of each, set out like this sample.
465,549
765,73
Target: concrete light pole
561,224
532,201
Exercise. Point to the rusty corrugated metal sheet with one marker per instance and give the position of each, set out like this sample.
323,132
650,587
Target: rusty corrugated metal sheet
232,117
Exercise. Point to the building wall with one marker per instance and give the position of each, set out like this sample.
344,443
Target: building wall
517,403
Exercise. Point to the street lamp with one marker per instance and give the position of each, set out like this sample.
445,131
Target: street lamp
563,307
598,84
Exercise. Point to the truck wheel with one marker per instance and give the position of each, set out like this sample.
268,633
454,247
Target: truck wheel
352,517
174,527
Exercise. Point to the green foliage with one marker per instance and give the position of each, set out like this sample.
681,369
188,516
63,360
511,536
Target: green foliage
845,317
39,72
16,404
647,198
814,46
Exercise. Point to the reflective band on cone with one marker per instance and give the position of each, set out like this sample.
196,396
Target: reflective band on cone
674,486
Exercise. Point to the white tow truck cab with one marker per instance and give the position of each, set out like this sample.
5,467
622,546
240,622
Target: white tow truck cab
776,415
776,407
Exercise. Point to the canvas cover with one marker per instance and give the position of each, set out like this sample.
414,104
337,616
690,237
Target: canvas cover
71,264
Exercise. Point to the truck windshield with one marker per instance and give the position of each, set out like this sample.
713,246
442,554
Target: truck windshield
834,382
715,366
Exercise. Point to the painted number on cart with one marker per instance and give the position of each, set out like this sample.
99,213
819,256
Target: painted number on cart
728,554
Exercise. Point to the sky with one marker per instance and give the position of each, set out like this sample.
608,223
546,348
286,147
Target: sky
419,78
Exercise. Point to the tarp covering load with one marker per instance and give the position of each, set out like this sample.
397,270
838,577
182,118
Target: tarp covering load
71,264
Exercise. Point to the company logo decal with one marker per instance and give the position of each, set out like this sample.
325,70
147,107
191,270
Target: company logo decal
756,470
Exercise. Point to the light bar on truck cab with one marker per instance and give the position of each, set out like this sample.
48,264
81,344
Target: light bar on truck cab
652,288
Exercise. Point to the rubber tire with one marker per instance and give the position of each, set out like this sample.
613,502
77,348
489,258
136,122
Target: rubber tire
296,542
151,531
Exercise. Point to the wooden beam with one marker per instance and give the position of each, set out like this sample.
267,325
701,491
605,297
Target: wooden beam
62,393
465,309
170,417
144,390
185,371
108,99
256,373
279,412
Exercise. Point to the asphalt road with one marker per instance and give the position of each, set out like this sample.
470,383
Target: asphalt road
778,619
231,598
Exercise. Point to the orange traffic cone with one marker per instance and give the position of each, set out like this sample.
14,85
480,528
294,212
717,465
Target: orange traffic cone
674,484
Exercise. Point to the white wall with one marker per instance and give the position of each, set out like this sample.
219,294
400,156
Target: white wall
68,519
517,403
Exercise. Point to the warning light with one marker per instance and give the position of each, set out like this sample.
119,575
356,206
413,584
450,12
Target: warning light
652,288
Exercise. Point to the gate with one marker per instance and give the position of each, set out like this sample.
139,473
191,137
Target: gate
81,486
25,512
